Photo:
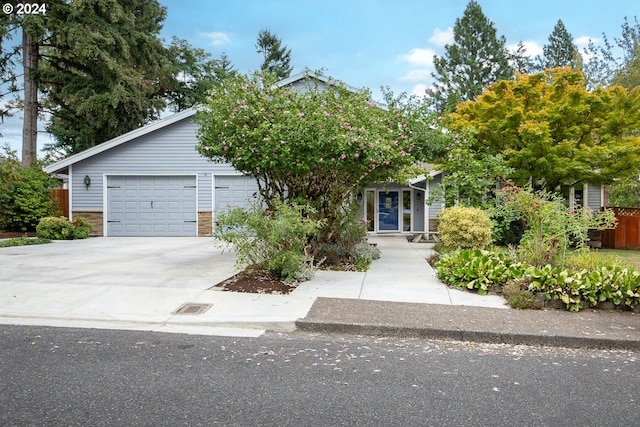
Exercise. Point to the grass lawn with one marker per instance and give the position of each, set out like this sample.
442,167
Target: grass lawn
631,257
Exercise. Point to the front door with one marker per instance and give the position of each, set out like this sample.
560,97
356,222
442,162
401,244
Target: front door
388,211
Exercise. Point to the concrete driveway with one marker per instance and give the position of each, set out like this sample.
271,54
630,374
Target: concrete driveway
152,262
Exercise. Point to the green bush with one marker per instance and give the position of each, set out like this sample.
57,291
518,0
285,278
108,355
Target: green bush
25,195
464,228
363,253
477,269
60,228
277,241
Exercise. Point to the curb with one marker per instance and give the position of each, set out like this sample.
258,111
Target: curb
555,328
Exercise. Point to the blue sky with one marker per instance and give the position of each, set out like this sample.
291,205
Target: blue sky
368,43
373,43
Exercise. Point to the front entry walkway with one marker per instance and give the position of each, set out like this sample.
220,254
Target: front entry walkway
401,274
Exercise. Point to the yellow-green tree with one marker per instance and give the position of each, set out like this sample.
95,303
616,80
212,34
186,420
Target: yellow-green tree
553,132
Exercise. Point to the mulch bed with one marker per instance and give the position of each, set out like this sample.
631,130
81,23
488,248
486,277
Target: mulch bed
14,234
256,282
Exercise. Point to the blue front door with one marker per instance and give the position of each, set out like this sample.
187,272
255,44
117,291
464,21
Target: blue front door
388,211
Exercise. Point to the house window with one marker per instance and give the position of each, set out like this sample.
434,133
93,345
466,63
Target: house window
406,210
370,200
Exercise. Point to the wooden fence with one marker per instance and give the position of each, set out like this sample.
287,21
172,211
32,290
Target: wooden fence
61,197
626,235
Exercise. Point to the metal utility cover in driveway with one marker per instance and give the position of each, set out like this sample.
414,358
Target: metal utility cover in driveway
193,308
151,206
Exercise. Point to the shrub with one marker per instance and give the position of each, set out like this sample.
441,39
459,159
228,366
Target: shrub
25,195
464,228
518,295
60,228
275,240
551,227
363,253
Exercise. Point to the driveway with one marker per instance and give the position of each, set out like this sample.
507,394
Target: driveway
151,262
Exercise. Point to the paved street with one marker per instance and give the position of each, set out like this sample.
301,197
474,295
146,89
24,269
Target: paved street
88,377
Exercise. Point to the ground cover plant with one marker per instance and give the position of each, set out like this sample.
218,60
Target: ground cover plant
23,241
551,260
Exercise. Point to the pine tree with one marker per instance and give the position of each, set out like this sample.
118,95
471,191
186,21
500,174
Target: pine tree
561,51
277,58
477,58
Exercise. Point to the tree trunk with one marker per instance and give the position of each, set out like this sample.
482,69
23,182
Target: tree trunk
30,125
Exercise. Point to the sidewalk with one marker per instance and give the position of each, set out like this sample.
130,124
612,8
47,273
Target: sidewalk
399,295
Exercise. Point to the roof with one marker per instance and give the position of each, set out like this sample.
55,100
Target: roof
159,124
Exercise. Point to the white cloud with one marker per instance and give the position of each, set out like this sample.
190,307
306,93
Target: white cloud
532,48
418,56
217,37
584,41
419,89
441,38
420,75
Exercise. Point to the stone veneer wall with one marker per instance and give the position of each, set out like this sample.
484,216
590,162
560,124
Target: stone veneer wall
204,224
95,219
433,225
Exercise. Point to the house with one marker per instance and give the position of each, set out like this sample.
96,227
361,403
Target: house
152,182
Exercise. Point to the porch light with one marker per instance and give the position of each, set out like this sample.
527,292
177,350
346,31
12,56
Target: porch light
359,197
87,181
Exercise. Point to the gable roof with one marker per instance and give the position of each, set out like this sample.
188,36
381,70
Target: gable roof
162,123
107,145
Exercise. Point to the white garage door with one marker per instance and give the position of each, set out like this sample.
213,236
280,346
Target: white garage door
151,206
237,191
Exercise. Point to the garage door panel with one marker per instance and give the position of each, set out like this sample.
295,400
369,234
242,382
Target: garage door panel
151,206
234,191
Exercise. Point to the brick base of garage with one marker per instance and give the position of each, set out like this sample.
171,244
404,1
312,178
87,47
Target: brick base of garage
204,224
95,219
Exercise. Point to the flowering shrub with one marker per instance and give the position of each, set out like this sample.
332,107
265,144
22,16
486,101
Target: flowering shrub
551,227
318,145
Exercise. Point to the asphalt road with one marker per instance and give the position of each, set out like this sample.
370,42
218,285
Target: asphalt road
81,377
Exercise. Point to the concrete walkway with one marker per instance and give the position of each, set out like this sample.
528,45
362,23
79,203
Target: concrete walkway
140,283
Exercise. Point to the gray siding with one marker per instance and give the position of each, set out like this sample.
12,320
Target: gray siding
167,151
307,85
435,207
594,196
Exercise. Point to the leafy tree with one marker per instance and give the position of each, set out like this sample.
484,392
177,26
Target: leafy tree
615,59
553,132
625,192
277,58
561,51
470,176
317,146
193,74
520,61
477,58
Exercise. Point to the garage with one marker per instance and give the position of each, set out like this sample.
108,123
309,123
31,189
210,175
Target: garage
151,205
236,191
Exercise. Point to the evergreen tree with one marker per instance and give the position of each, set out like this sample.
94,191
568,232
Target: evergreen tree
477,58
561,51
606,64
101,70
277,58
520,61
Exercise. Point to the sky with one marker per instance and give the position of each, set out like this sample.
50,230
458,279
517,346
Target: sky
368,43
